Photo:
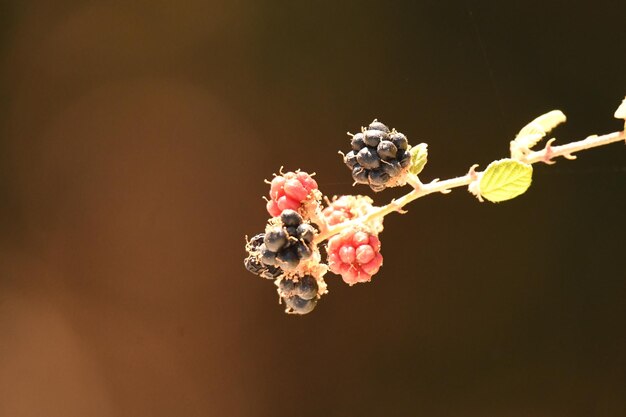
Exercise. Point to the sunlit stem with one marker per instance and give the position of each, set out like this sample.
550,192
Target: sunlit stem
568,149
420,190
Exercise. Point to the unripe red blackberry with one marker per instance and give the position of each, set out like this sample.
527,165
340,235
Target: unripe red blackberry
289,191
355,255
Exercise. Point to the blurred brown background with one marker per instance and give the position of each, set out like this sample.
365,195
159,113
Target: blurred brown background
134,140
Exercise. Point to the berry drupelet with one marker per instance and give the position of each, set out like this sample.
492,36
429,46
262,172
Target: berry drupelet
379,157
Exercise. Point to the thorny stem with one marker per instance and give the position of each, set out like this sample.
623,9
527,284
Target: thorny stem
420,190
568,149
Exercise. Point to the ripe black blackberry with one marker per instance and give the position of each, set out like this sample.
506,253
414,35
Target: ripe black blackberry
378,156
254,263
300,296
287,243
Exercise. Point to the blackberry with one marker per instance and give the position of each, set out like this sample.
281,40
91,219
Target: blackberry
284,245
298,305
379,156
306,287
260,260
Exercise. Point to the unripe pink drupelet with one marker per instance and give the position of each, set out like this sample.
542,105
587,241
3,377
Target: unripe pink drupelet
289,191
355,255
345,208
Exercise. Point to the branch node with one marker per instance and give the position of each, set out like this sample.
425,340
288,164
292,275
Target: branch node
472,172
547,157
397,207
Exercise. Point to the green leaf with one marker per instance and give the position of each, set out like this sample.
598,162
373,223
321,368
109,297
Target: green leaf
543,124
505,179
419,155
533,132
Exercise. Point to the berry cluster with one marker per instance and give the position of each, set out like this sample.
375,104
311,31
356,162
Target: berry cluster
288,253
379,157
287,242
290,191
300,296
355,255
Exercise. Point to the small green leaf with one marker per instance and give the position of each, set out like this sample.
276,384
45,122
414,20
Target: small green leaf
419,155
543,124
534,131
505,179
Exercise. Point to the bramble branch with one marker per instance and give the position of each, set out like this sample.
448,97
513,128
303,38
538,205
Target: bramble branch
420,190
288,251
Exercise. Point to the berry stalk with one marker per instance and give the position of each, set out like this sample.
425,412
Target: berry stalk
420,190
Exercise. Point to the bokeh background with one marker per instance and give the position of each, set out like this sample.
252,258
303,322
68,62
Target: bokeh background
134,140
